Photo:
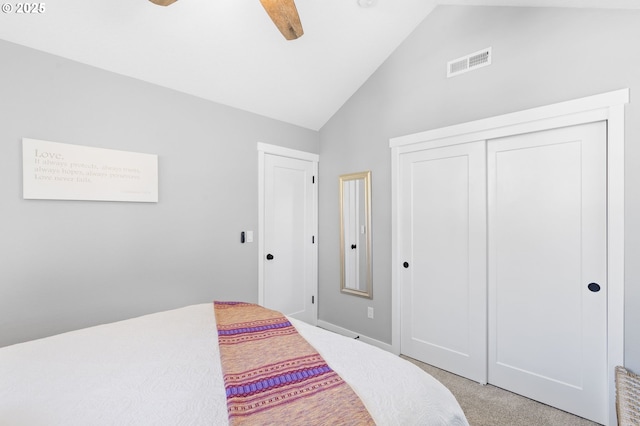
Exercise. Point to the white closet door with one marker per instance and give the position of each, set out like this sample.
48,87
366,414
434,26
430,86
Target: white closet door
443,234
547,260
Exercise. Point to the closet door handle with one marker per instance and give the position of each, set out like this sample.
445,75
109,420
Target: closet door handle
594,287
353,246
269,256
405,264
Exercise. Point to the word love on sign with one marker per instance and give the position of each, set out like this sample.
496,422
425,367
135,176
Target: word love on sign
58,171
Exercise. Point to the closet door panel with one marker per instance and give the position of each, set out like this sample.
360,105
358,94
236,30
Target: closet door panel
547,243
444,251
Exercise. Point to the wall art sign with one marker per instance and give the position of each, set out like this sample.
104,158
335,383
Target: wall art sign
59,171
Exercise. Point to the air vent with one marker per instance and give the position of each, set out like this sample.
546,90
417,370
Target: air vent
470,62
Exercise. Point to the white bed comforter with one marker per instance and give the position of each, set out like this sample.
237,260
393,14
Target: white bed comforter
164,369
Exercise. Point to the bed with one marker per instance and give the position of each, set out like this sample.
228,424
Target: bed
164,369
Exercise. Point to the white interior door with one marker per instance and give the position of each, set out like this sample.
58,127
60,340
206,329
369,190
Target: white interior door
547,261
443,279
289,254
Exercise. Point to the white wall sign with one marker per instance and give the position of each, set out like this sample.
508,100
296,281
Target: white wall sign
59,171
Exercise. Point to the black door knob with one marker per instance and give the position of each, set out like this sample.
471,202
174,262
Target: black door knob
353,246
405,264
269,256
594,287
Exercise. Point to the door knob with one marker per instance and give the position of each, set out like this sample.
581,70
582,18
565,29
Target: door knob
269,256
405,264
594,287
353,246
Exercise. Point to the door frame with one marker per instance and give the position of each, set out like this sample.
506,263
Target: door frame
268,149
607,107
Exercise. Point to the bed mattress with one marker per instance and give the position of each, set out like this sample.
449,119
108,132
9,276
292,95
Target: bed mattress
164,369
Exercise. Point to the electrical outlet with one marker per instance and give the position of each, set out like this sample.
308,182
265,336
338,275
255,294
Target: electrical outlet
369,312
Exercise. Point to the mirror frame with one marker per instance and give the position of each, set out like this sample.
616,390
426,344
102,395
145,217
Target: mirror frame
366,176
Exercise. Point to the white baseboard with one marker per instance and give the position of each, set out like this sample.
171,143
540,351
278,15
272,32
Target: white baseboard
348,333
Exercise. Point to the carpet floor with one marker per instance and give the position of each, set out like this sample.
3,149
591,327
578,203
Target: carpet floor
487,405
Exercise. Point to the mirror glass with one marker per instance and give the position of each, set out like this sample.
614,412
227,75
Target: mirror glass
355,234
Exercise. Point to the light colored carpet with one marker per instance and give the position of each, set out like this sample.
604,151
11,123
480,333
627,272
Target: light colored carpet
486,405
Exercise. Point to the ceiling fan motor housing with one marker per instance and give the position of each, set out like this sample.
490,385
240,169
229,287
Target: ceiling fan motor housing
163,2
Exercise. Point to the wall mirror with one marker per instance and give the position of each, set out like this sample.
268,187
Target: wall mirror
355,234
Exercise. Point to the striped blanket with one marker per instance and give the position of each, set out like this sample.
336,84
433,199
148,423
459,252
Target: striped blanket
272,375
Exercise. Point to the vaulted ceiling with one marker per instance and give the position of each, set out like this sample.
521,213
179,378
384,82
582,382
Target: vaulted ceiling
229,51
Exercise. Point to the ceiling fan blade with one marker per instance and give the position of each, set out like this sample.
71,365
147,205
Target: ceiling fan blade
284,14
163,2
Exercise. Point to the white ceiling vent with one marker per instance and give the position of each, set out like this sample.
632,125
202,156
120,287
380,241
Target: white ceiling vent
470,62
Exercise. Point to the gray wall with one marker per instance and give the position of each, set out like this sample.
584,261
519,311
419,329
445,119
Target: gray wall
70,264
540,56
